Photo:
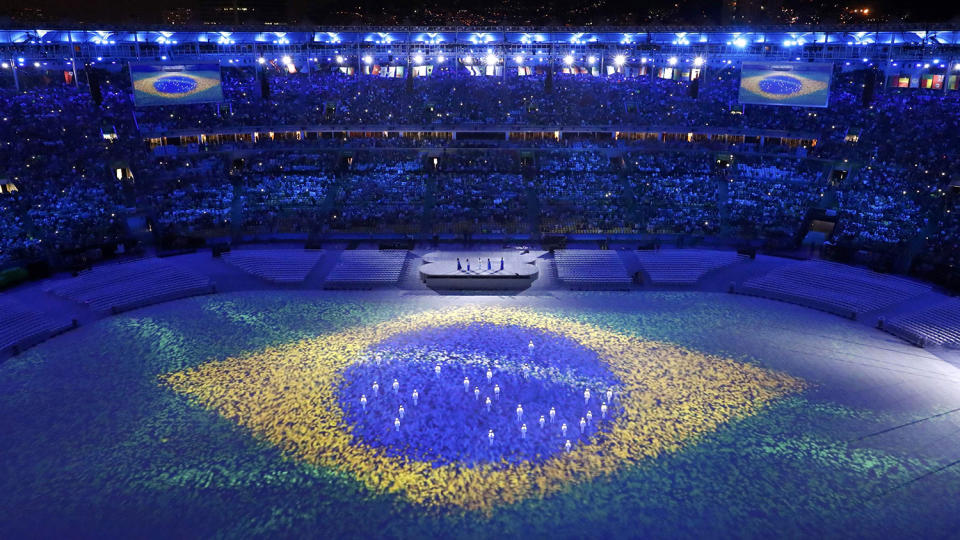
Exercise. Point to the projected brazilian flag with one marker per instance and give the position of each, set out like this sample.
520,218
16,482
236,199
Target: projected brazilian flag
787,83
169,84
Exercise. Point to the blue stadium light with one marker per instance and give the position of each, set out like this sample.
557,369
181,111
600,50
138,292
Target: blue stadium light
441,59
672,60
592,60
740,42
367,59
619,60
698,61
418,59
261,60
481,38
527,39
568,60
468,59
432,38
518,59
340,59
491,59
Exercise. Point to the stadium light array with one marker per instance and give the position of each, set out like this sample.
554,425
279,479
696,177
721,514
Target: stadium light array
418,59
491,59
568,60
619,60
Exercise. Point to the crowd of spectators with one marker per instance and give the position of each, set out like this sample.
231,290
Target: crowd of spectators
481,203
61,195
771,196
78,169
384,191
674,193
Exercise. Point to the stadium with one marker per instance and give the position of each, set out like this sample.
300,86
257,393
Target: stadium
409,281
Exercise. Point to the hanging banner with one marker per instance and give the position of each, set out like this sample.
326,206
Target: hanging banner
798,84
175,84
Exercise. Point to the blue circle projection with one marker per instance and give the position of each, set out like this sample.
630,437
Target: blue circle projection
783,85
450,421
174,84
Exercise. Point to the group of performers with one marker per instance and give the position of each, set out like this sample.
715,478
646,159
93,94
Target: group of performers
479,264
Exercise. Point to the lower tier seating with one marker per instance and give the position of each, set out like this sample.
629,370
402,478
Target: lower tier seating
366,268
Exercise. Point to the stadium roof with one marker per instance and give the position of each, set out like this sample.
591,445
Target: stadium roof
884,34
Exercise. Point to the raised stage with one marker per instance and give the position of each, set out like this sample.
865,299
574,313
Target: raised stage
440,270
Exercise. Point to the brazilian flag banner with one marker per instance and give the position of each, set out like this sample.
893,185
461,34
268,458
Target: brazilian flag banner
175,84
797,84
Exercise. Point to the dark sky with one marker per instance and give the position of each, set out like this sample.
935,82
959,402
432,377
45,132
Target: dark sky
488,12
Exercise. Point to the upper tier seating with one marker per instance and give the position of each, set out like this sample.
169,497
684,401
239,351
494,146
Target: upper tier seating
836,288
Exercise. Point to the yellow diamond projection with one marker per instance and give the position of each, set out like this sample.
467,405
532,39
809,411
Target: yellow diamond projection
287,395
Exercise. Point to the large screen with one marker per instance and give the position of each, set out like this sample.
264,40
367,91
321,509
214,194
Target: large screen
796,84
175,84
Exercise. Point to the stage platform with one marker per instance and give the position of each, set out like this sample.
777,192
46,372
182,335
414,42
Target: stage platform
440,270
